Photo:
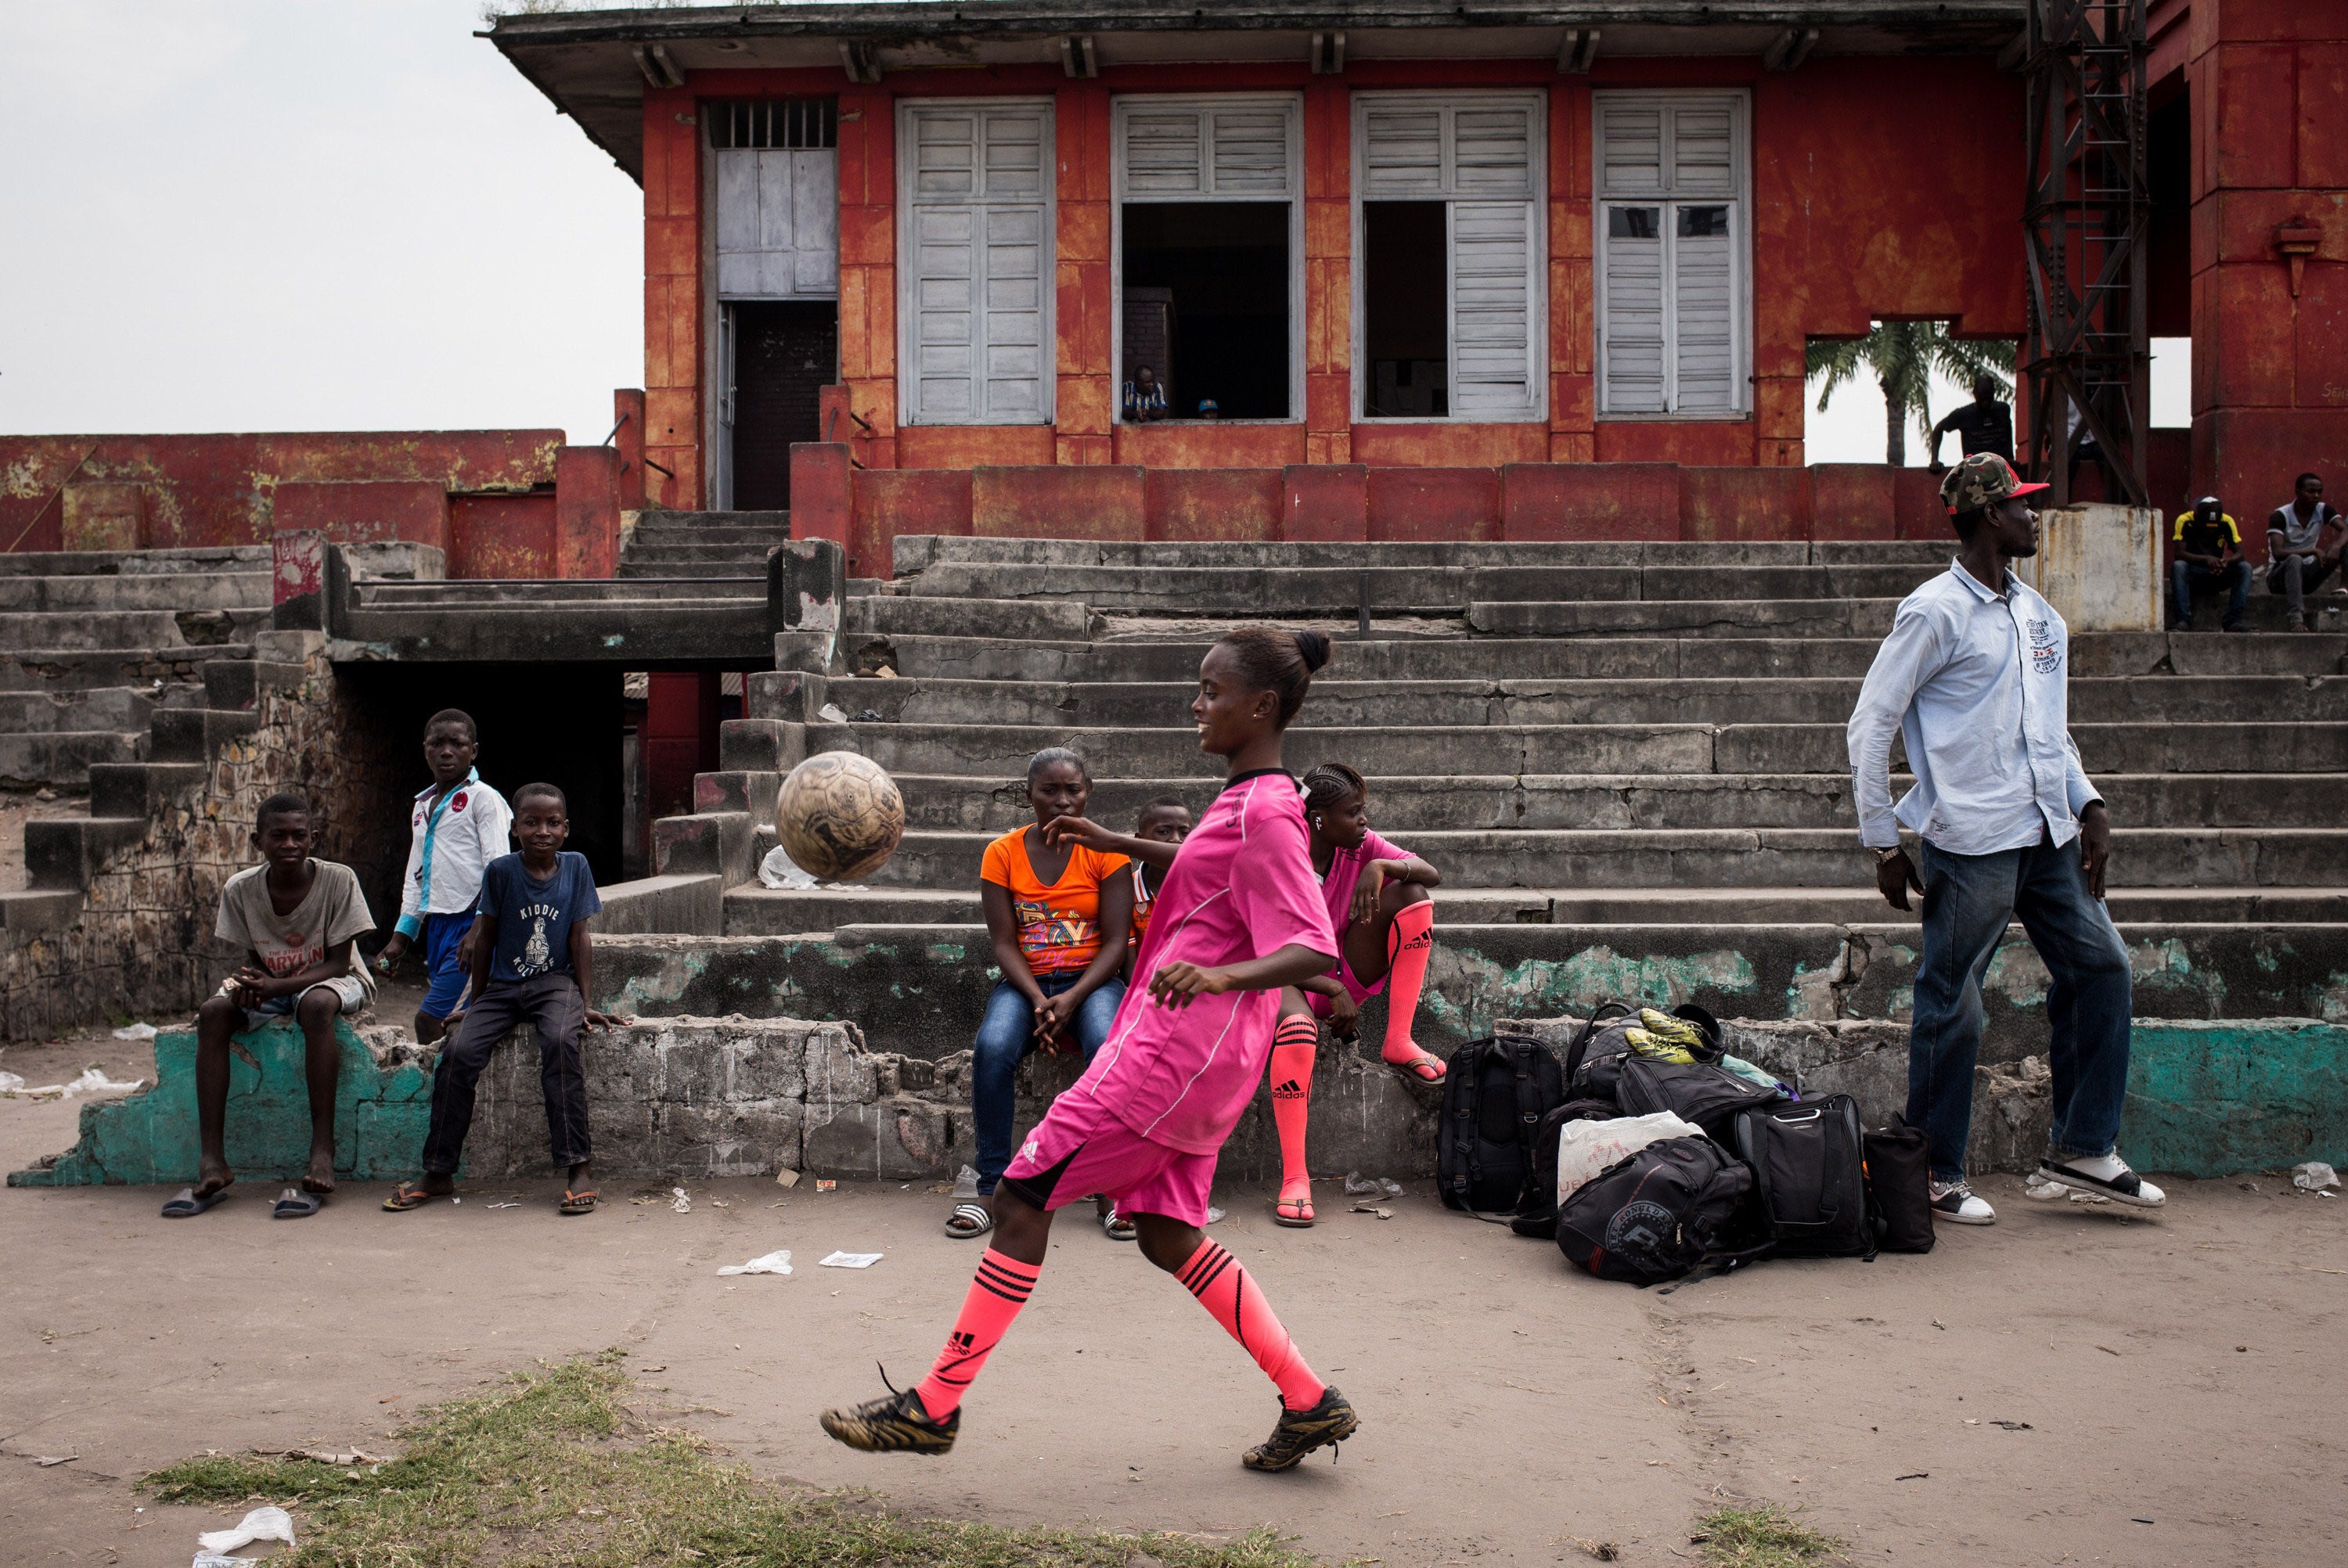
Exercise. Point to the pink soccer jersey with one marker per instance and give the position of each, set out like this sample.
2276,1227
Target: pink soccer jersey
1241,886
1345,875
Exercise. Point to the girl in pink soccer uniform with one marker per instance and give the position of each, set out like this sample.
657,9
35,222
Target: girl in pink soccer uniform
1239,916
1376,896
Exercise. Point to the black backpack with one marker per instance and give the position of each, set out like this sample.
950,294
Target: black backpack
1657,1214
1495,1094
1696,1092
1809,1177
1537,1216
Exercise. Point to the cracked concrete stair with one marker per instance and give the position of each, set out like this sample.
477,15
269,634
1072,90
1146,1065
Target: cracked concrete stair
1627,749
716,544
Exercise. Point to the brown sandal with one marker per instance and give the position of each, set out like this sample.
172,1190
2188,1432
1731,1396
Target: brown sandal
578,1203
411,1195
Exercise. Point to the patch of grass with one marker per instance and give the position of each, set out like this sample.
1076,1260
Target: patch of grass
1761,1536
553,1468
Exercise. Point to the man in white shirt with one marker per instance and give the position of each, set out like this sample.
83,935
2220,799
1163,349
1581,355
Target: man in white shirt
1972,678
2303,539
457,826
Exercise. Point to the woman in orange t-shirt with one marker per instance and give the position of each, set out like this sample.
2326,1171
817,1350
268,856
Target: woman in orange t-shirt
1058,916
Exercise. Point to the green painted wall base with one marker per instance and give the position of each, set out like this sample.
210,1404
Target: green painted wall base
2212,1099
150,1137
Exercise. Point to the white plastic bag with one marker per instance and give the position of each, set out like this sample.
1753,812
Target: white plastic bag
773,1263
262,1524
1586,1148
2314,1176
779,870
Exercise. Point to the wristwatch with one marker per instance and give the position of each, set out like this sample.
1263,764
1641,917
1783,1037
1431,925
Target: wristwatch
1884,856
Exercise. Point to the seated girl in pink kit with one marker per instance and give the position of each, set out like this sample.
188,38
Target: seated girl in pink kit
1238,917
1375,893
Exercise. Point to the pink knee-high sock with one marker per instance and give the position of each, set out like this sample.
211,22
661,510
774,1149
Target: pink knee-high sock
1228,1292
995,1296
1292,1046
1413,938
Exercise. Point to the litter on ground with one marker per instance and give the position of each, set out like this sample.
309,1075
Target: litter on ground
269,1524
850,1260
772,1263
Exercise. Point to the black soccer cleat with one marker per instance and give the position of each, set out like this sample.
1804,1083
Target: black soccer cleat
1329,1422
896,1424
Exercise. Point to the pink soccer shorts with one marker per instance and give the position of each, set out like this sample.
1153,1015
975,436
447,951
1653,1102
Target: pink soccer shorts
1081,1148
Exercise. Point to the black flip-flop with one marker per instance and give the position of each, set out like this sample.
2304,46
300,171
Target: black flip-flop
187,1204
2128,1189
293,1204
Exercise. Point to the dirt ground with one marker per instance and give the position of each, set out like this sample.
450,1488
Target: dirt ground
2071,1386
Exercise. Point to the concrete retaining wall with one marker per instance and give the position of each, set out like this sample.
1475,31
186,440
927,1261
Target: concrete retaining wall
681,1099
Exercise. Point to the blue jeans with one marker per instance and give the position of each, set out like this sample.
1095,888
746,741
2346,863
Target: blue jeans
2183,575
1968,900
1005,1035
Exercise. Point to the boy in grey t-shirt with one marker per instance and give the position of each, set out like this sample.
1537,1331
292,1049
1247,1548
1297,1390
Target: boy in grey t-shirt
296,918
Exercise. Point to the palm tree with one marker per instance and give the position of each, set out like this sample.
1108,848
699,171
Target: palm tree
1903,356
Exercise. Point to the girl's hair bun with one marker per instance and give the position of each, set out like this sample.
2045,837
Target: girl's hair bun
1313,647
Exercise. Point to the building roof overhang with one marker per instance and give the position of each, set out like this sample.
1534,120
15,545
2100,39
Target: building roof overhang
596,66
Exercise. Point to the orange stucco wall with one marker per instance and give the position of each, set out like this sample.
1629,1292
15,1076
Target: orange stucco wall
1881,186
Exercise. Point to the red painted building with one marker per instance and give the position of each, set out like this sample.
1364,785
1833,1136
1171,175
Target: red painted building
1396,236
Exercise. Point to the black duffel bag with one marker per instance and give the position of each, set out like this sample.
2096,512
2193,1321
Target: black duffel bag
1657,1214
1900,1179
1694,1092
1809,1177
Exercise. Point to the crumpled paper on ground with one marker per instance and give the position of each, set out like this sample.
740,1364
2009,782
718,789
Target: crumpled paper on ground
772,1263
1357,1186
269,1523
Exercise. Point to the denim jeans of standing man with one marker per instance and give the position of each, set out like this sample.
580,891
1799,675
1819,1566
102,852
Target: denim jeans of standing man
1005,1035
2234,577
1968,901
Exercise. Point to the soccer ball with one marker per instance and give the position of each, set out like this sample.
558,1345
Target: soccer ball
838,815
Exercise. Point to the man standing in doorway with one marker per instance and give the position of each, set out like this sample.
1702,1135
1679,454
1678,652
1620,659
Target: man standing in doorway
1985,425
1972,678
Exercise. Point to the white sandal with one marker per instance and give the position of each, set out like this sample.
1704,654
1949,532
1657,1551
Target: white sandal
975,1221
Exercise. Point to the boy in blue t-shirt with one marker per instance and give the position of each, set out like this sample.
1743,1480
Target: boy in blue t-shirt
532,964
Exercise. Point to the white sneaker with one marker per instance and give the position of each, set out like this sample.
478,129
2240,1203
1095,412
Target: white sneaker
2108,1176
1956,1202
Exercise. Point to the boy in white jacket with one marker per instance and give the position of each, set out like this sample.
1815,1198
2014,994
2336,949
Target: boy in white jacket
459,825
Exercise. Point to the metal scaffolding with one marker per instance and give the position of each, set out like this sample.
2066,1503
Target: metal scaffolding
2086,359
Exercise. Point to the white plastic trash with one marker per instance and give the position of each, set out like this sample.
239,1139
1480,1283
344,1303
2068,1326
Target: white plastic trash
779,870
773,1263
850,1260
1586,1148
269,1523
136,1032
2314,1176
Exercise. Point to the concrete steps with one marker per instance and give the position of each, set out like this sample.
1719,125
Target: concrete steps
703,545
757,911
1643,700
1457,657
916,553
507,592
994,751
1407,803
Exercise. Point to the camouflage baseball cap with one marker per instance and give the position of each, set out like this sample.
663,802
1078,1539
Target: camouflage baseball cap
1982,480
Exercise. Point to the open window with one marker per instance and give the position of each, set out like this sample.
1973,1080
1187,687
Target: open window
1450,317
1208,208
975,262
1673,254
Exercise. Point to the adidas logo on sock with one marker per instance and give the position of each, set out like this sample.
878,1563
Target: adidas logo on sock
1290,1087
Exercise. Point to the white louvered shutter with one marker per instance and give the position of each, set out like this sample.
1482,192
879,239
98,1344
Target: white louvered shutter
978,229
1631,315
1493,373
1478,154
1671,182
1186,150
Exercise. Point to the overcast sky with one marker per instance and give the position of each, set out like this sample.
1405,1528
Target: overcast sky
351,214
